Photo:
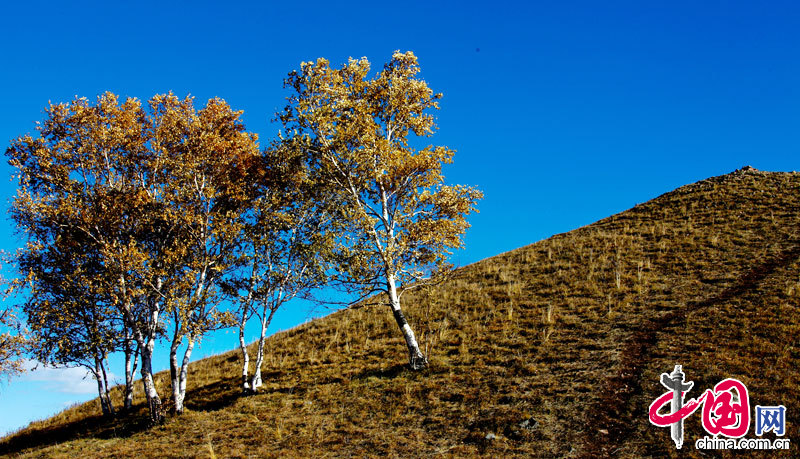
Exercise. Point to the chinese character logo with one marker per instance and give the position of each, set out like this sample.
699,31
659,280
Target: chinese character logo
726,408
770,418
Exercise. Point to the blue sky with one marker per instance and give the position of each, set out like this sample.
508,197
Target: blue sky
561,112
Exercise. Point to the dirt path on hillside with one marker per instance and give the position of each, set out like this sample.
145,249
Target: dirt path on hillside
610,413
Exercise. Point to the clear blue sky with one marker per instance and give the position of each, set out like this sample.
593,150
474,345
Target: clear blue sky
561,112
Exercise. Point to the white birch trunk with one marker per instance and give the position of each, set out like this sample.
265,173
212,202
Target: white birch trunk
180,375
416,358
145,336
173,367
150,392
99,374
243,347
101,395
265,321
246,387
130,371
105,388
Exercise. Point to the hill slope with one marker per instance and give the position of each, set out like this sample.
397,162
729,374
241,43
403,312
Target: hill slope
555,348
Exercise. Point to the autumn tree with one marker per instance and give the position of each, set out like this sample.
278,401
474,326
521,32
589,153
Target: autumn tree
151,191
402,218
75,181
287,250
206,187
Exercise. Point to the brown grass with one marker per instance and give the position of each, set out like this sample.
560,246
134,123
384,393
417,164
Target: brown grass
555,348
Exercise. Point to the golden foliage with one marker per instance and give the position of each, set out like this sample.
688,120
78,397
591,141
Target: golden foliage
358,131
141,205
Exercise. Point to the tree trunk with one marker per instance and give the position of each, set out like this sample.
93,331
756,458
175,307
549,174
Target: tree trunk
174,371
179,385
102,387
265,321
105,388
130,371
243,346
145,335
103,405
132,335
416,359
153,400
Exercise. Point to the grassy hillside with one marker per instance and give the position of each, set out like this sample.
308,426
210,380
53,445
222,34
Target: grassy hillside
555,349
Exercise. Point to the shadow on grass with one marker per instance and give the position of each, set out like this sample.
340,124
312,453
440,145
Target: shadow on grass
121,426
388,373
214,396
211,397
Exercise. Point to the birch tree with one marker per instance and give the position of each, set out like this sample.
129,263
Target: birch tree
84,177
361,133
288,245
207,189
135,182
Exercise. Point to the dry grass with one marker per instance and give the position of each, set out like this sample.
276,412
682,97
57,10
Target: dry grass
554,348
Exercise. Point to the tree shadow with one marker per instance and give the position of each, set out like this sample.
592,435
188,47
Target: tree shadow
383,373
97,426
211,397
214,396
